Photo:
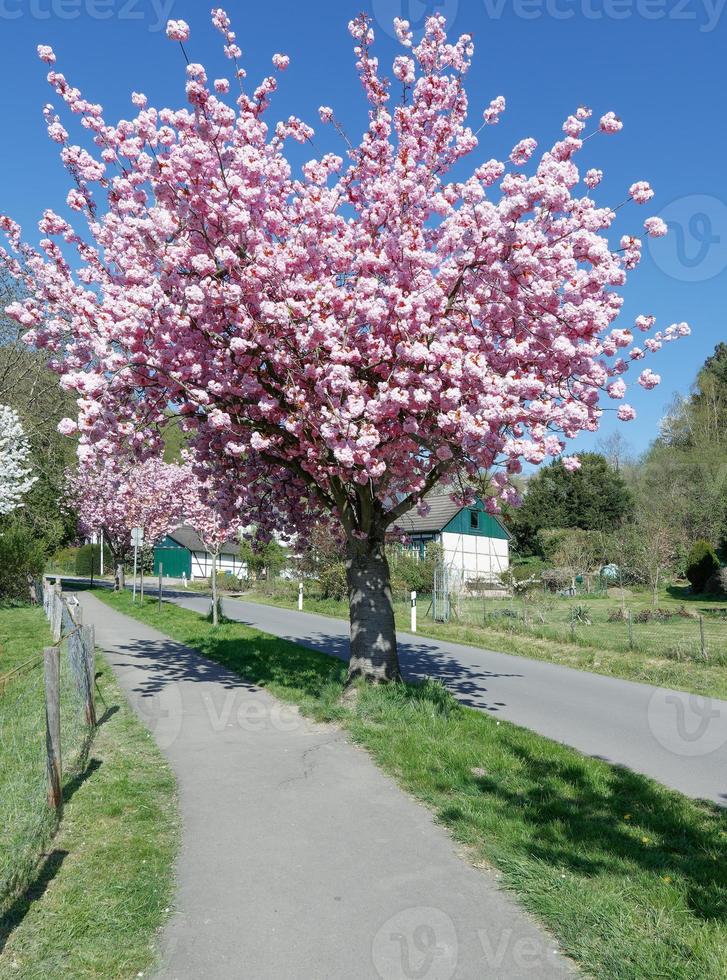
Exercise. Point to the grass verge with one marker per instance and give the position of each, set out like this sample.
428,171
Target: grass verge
90,905
647,666
628,875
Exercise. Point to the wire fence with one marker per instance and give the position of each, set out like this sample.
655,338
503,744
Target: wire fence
672,632
27,818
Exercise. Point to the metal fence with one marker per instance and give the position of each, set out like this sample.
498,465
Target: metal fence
47,717
673,632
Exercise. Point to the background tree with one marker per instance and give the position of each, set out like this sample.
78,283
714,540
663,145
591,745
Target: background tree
204,509
593,498
702,563
114,496
686,467
575,550
16,476
340,340
34,392
617,451
264,557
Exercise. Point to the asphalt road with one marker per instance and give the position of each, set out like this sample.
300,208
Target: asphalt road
676,738
300,860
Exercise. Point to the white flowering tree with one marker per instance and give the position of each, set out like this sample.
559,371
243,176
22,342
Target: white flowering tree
15,473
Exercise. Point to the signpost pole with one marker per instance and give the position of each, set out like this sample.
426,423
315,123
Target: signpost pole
137,538
133,592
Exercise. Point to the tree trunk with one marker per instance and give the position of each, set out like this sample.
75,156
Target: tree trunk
214,590
373,636
120,582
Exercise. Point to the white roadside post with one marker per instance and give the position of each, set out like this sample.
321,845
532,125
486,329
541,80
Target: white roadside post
101,563
137,538
413,611
300,596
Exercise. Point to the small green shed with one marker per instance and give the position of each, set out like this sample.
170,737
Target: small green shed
175,559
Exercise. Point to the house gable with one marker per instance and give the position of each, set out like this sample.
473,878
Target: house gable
487,525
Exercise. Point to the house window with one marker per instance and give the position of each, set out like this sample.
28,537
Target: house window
474,520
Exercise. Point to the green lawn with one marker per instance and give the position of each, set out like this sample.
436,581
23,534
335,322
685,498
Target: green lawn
665,654
628,875
87,901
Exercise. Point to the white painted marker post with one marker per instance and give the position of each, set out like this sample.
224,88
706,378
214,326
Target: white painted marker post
300,595
413,612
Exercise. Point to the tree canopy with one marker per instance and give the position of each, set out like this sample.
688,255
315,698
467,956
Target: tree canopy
592,498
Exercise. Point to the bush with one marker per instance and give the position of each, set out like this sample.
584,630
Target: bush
227,582
88,560
717,583
556,578
702,563
20,555
332,581
63,562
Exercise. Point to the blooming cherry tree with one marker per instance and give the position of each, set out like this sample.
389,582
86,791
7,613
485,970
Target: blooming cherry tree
336,341
15,474
207,511
112,497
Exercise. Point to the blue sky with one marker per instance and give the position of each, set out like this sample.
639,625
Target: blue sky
658,63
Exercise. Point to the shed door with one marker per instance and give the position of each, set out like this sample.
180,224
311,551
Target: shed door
176,562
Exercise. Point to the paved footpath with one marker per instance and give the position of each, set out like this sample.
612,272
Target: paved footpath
676,738
300,860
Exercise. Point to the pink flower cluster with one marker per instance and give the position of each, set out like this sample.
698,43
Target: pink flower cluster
178,30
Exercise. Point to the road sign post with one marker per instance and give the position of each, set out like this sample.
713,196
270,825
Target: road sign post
137,539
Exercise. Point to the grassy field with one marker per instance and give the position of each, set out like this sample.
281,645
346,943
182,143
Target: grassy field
85,903
666,653
628,875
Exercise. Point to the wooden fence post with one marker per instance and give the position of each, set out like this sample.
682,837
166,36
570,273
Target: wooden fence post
57,620
702,644
631,630
88,645
52,661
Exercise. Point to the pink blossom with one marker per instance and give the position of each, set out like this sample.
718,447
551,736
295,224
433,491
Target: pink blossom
571,463
522,151
326,113
641,192
45,53
281,61
655,227
648,380
593,178
626,413
403,32
222,85
610,123
67,427
178,30
495,109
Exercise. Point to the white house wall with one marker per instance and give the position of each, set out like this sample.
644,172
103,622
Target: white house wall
202,565
475,556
